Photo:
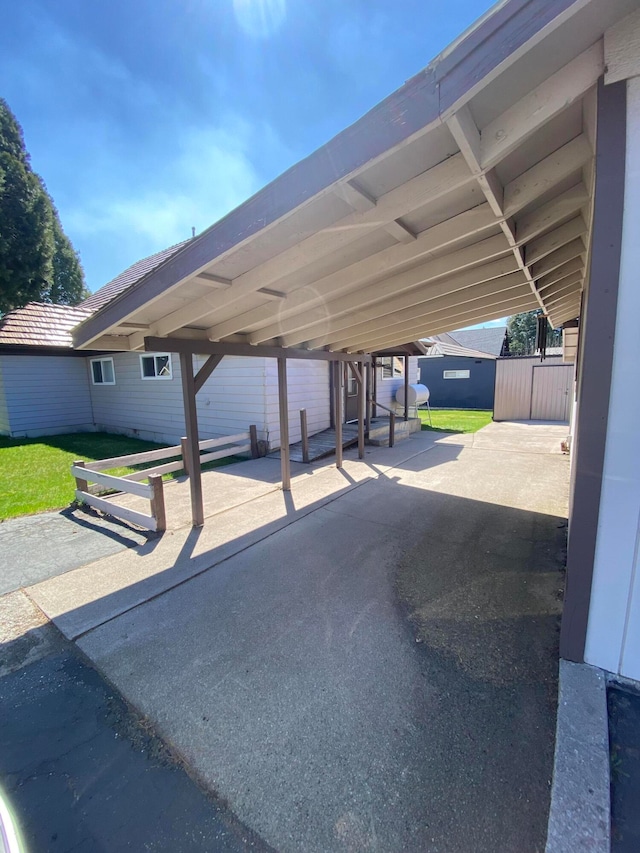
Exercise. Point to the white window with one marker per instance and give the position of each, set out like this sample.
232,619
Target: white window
392,367
456,374
102,371
156,366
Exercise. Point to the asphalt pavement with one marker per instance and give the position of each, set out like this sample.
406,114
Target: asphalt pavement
81,771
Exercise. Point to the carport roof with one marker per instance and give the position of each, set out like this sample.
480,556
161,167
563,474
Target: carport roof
464,196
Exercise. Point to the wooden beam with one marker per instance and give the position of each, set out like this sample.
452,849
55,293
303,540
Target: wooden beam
193,447
466,300
406,388
556,259
215,281
209,348
339,399
310,295
424,328
474,256
529,113
399,231
283,405
355,196
543,246
206,370
568,269
546,174
361,410
553,212
434,183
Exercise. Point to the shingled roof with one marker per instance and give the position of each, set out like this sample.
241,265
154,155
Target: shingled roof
40,324
489,340
132,275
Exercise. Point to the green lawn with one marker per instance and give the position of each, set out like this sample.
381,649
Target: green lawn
455,420
35,471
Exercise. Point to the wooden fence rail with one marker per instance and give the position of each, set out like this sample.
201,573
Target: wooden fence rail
90,472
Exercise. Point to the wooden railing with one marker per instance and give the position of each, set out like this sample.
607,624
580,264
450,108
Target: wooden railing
392,419
91,472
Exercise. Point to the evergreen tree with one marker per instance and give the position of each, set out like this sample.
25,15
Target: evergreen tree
37,260
521,331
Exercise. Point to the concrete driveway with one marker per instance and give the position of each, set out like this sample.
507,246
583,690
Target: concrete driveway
369,663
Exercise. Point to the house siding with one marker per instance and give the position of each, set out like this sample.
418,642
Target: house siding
231,399
45,395
386,388
307,388
4,411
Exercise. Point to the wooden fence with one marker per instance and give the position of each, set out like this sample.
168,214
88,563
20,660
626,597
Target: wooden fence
92,472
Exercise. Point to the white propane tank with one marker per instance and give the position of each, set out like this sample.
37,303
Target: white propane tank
416,395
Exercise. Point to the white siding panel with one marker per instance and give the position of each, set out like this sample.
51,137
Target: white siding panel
230,401
4,411
307,388
386,388
46,395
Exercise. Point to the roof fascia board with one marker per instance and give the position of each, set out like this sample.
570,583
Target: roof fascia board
490,46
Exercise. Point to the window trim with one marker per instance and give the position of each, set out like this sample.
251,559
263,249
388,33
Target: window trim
154,356
391,358
101,361
456,374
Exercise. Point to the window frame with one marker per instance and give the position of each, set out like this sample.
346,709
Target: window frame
101,361
154,356
391,359
457,374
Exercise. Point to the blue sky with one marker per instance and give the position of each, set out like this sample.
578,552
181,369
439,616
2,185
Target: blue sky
147,117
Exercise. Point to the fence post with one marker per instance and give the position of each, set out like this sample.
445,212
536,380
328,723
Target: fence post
184,444
157,502
305,435
253,435
81,485
392,428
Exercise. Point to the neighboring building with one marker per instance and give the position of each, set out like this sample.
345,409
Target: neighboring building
462,375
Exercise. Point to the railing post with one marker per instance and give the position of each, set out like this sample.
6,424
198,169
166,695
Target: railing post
157,502
392,428
305,435
253,435
81,485
184,444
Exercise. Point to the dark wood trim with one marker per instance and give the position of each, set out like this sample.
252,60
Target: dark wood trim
67,352
206,370
406,388
183,345
283,404
338,387
193,444
597,334
361,410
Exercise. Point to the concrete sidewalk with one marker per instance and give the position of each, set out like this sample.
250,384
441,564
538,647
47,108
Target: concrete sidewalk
369,662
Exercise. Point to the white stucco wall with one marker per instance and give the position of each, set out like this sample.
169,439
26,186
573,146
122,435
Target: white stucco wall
613,631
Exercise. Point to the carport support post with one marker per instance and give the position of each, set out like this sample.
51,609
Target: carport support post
406,387
367,397
361,413
193,446
337,387
284,424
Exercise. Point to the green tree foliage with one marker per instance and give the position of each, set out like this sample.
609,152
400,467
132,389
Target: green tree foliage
37,260
521,329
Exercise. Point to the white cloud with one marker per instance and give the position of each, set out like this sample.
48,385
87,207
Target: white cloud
209,174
